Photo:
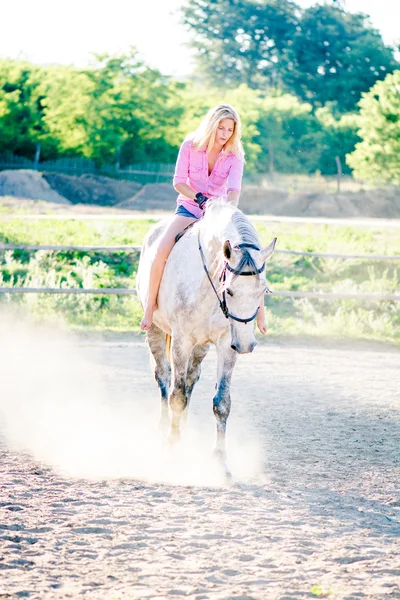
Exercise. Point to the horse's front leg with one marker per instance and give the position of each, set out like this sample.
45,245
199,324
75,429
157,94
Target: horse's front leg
178,398
222,399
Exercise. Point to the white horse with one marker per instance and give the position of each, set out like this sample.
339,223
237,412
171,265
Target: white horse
210,292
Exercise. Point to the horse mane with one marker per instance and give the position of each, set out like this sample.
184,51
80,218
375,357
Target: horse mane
224,221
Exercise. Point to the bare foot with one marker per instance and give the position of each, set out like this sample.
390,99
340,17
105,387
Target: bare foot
261,324
147,320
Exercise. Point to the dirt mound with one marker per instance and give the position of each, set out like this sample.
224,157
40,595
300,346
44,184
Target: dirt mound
153,196
28,184
92,189
381,203
100,191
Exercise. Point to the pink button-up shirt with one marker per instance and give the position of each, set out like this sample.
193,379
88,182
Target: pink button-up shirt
192,169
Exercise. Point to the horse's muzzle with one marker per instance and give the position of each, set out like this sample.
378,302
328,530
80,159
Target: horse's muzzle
243,349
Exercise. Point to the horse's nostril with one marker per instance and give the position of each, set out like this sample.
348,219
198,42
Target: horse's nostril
234,347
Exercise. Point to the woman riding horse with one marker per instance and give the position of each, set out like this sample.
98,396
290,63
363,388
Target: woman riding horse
210,164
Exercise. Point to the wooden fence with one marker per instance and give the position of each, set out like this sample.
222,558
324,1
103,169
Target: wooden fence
136,249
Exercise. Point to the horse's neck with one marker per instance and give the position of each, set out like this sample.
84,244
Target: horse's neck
212,241
214,237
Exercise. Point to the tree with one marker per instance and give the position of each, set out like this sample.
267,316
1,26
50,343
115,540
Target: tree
338,139
65,95
132,107
377,157
322,54
242,41
21,112
289,130
336,56
119,105
277,127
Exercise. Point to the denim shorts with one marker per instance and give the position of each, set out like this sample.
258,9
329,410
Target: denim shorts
183,212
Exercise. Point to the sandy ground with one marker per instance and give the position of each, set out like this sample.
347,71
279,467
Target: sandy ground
314,507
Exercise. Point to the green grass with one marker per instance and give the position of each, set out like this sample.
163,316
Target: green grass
74,232
379,321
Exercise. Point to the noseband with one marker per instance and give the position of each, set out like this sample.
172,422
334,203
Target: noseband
222,301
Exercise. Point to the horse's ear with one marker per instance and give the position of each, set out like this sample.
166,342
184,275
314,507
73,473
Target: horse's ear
266,252
227,249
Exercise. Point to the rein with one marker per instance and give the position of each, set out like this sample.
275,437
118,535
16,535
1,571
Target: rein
222,301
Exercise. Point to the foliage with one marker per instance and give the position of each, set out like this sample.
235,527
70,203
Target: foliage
241,40
339,138
317,590
119,103
121,110
337,55
279,131
64,114
322,54
21,110
290,135
132,105
377,157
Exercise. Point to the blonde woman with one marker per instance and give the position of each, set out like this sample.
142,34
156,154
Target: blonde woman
210,164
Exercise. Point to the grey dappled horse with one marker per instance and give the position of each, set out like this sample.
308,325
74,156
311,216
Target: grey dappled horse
210,292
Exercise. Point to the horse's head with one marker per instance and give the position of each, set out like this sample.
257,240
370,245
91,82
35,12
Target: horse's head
243,289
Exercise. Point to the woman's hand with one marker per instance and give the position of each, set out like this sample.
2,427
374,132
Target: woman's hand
233,197
201,200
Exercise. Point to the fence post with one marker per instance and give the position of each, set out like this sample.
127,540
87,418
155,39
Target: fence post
118,159
339,173
37,157
271,160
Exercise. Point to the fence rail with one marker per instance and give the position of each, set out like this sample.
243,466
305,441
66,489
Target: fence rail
128,292
136,249
128,248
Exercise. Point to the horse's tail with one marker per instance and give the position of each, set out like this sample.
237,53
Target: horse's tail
168,347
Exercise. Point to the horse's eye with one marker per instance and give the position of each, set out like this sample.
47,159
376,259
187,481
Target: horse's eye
229,291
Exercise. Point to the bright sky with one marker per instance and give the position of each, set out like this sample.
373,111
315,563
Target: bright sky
47,31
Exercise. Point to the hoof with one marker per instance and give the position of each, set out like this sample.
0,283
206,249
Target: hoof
173,437
228,475
163,425
220,458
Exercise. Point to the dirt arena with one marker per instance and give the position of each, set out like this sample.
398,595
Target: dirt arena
94,505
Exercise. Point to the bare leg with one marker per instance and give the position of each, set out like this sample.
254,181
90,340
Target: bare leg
261,324
165,246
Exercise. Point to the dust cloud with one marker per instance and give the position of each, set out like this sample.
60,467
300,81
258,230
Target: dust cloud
56,406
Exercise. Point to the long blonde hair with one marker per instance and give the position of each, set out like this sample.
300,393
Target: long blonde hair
204,136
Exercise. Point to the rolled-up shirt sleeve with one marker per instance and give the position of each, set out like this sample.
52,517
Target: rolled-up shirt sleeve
235,175
182,164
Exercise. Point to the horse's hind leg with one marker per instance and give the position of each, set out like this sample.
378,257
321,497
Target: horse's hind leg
222,399
162,370
178,398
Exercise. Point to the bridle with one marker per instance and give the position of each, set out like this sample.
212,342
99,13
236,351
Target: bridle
222,301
